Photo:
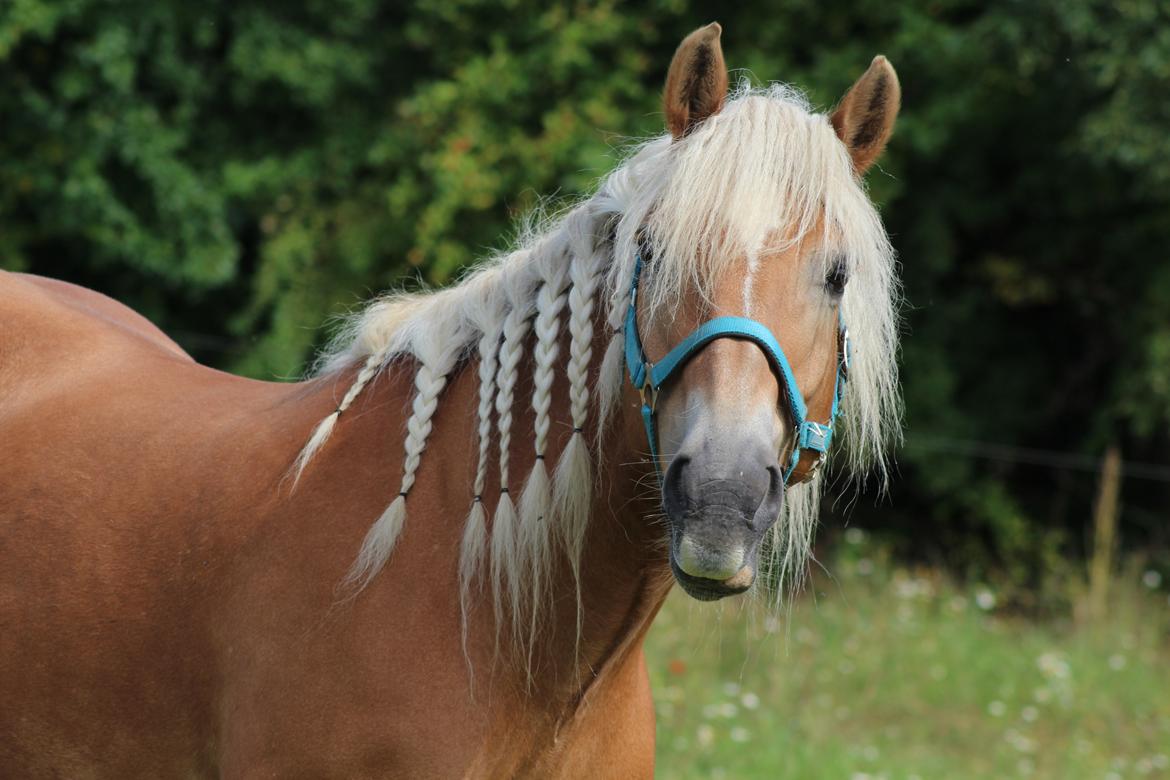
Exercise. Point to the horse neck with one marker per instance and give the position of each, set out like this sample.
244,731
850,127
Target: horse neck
624,573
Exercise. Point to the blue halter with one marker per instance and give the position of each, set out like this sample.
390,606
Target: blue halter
649,377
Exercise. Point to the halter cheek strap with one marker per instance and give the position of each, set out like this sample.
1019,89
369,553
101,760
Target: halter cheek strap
649,377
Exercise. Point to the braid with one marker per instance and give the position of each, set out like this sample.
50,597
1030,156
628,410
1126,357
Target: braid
489,346
550,303
429,381
574,476
474,545
505,572
324,428
373,362
537,497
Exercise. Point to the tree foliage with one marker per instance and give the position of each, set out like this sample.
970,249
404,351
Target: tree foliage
241,172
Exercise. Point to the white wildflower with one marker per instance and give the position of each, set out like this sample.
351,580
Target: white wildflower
1053,666
985,599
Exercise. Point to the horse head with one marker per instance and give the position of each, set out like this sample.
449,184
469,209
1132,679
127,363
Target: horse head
736,328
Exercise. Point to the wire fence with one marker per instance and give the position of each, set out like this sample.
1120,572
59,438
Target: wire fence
1009,453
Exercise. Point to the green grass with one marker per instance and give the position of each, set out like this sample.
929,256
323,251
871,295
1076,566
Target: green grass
880,672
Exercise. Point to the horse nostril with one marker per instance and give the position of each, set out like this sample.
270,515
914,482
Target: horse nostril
775,480
674,496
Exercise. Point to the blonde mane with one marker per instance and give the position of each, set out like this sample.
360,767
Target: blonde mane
765,165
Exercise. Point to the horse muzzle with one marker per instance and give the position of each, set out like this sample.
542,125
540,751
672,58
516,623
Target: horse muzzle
720,501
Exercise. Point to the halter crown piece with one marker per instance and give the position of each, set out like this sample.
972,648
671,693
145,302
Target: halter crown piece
649,377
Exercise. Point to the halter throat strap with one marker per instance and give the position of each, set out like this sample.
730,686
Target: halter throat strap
649,378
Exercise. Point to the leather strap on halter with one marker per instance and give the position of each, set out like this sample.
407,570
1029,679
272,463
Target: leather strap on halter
649,377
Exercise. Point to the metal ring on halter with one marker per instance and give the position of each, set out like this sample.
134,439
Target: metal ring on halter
815,466
845,350
648,388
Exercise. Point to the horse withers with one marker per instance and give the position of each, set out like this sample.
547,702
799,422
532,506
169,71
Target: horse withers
440,556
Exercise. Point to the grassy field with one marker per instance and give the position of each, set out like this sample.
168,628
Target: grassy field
880,672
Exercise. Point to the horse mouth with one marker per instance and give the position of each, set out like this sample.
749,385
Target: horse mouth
704,589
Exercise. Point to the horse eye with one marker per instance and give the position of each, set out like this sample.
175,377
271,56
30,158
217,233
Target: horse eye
645,248
837,278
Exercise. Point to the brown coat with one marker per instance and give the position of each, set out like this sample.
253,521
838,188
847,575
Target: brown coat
168,607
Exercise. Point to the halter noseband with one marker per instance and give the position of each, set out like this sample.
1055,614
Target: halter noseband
649,377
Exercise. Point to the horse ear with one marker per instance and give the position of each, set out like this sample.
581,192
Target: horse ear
696,84
864,119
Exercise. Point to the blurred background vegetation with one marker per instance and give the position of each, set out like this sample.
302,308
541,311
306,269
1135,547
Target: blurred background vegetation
892,671
242,171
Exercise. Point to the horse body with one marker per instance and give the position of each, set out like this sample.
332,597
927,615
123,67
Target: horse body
179,595
189,600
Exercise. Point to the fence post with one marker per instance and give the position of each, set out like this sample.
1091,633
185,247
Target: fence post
1105,511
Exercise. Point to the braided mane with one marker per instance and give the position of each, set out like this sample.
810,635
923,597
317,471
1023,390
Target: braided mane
763,163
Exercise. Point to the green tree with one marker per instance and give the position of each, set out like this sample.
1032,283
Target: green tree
241,172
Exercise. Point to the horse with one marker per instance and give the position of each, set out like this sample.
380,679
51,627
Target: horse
440,555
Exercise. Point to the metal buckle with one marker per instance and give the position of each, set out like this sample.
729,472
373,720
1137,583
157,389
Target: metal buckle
815,466
647,388
845,350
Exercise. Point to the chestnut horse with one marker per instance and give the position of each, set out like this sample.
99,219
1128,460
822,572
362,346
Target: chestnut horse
440,556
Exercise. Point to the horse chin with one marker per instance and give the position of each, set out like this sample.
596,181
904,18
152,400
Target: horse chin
704,589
